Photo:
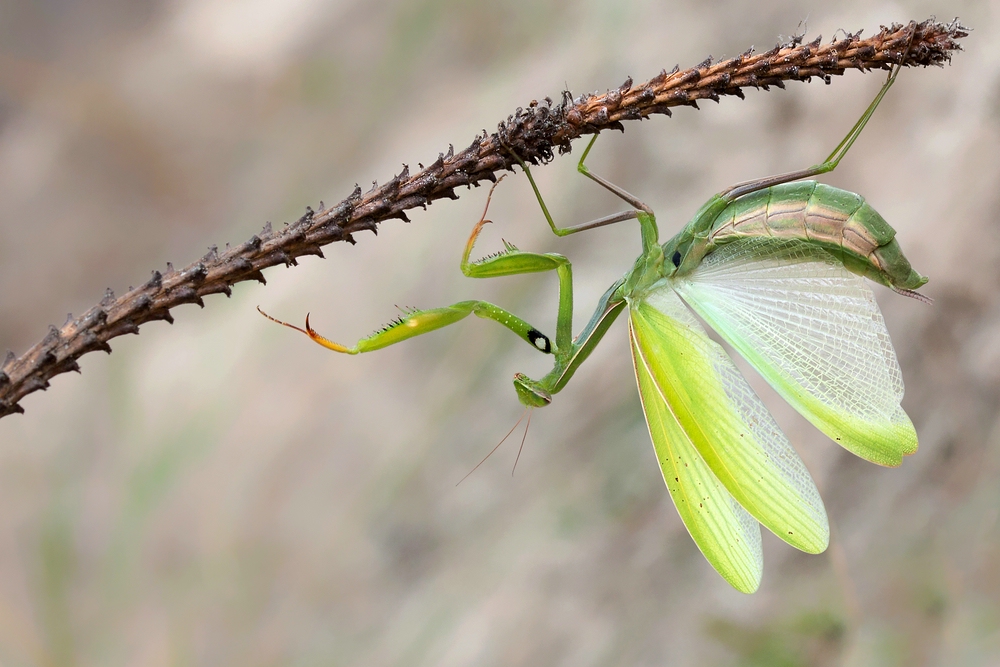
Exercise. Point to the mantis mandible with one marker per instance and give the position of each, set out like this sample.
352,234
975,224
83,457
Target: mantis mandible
776,266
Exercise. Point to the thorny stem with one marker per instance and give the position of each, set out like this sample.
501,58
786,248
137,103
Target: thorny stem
532,133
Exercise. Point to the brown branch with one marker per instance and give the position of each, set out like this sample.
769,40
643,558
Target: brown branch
532,133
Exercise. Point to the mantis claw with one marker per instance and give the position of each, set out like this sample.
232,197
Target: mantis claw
325,342
479,225
309,331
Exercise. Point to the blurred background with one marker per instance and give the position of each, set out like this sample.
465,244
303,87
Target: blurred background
223,492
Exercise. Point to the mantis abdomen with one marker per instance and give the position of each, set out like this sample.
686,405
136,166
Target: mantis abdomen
841,222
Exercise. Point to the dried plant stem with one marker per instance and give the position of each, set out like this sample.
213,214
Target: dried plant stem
532,133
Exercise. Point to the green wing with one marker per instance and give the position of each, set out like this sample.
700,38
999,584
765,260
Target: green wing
709,428
814,331
726,534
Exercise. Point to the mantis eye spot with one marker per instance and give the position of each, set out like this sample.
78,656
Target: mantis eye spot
540,341
676,259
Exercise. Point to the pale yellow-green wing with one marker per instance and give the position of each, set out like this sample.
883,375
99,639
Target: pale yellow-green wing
814,331
718,413
727,535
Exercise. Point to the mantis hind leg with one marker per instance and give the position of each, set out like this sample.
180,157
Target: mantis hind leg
832,160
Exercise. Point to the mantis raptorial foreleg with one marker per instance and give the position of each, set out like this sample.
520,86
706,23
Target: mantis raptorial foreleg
508,262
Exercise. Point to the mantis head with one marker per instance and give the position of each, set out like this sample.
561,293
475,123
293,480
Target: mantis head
531,393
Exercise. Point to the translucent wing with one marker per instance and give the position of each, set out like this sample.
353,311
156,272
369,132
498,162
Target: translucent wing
814,331
727,535
695,398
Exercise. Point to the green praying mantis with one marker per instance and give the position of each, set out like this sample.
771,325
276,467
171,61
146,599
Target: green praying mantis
776,266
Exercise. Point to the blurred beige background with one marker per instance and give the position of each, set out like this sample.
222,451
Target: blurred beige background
223,492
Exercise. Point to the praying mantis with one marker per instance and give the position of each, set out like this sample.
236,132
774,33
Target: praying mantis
777,267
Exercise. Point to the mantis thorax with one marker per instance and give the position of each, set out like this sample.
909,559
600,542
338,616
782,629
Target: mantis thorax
685,251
